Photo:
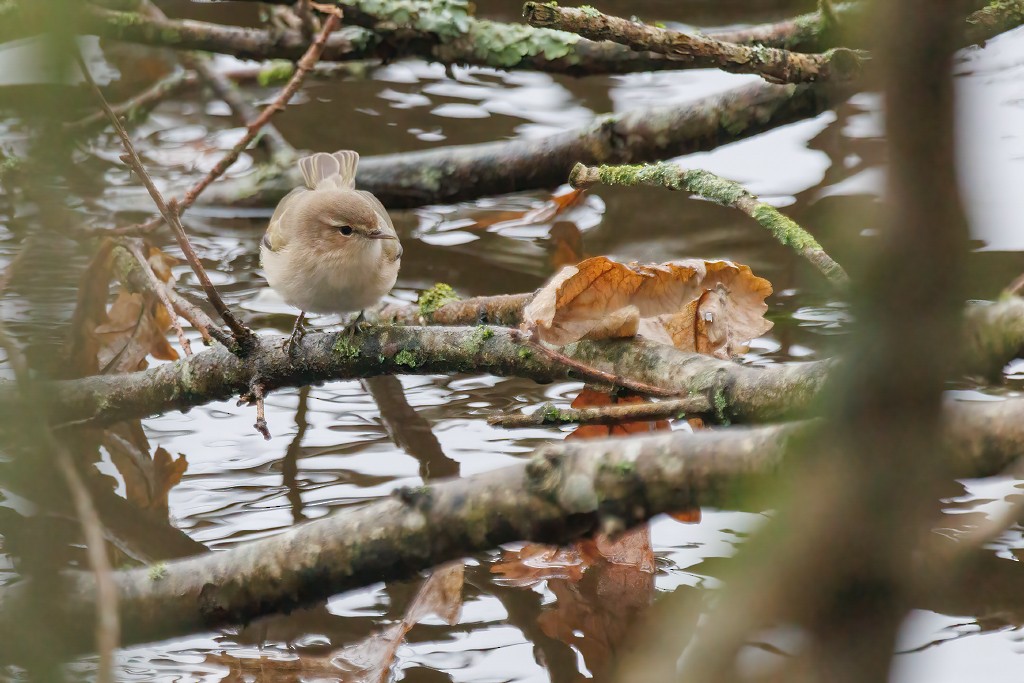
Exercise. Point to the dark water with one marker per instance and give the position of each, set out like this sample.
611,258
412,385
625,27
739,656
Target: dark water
332,449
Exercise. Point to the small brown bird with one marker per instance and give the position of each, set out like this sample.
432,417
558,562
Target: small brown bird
330,248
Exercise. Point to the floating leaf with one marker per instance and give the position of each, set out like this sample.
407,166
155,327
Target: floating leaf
602,299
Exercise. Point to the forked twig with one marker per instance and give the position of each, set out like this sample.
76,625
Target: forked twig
303,67
243,336
161,292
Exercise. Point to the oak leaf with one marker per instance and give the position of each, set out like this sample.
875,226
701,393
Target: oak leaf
693,304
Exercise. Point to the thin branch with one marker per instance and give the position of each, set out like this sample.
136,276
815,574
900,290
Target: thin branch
157,286
772,64
721,191
226,90
505,310
243,336
305,64
548,414
136,281
136,107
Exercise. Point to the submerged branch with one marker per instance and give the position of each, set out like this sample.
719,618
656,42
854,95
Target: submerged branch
721,191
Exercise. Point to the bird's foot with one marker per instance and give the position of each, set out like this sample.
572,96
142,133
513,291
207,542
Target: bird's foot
298,332
355,326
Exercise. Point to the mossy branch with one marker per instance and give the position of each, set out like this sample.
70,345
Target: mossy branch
773,64
721,191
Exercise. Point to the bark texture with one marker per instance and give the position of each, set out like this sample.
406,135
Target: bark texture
451,174
726,390
773,64
564,491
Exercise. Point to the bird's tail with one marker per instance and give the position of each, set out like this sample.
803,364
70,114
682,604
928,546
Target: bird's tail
336,170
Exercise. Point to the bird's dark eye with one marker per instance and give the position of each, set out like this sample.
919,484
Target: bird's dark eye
345,229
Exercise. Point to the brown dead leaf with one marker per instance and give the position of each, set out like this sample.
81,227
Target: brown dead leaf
90,311
597,614
167,473
136,327
601,299
534,563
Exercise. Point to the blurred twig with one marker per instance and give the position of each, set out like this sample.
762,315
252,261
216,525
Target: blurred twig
108,625
134,107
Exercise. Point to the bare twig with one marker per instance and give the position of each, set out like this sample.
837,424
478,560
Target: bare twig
161,292
721,191
589,372
226,90
243,336
134,107
303,67
549,414
308,61
137,282
258,396
772,64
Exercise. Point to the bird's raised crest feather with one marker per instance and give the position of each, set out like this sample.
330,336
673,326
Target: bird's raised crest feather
324,170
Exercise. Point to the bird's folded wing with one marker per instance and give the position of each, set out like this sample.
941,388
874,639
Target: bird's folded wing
277,235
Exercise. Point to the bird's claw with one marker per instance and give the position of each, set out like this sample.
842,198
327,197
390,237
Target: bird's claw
298,332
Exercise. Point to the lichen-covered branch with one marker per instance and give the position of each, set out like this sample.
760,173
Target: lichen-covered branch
450,174
730,392
995,18
773,64
564,491
721,191
505,310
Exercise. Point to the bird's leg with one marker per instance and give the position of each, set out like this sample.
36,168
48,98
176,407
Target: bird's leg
354,326
298,332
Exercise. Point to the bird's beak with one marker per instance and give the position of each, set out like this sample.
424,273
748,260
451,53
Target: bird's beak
380,235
